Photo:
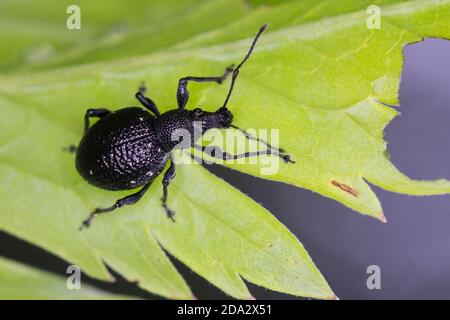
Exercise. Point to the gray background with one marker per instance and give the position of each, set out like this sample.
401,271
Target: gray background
412,249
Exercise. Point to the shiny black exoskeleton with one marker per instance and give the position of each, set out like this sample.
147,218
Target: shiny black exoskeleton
130,147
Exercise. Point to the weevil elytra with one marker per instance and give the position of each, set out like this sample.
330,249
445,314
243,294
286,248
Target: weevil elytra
130,147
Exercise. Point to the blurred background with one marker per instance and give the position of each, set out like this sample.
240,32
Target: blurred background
412,249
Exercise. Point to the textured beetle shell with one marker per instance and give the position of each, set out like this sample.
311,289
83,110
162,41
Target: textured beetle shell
121,151
171,126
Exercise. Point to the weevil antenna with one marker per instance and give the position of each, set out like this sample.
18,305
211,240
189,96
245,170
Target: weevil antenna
236,70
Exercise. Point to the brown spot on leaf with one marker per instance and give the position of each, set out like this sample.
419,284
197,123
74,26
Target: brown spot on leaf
344,187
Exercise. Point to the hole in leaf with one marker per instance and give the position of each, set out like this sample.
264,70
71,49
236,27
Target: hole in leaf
419,139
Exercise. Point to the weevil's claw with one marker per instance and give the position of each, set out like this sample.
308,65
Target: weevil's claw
287,158
142,88
228,70
170,213
70,148
86,223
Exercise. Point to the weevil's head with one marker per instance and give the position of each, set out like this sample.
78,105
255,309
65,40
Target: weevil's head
221,118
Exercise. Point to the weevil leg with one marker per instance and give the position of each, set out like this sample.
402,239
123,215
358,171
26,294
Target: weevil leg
90,113
146,101
128,200
168,177
218,153
183,93
142,88
250,137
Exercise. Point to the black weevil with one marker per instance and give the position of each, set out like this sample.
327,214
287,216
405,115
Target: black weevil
130,147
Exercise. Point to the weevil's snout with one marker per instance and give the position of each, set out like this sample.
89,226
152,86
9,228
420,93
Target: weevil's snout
225,117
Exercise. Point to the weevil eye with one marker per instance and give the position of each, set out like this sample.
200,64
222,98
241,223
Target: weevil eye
226,117
197,112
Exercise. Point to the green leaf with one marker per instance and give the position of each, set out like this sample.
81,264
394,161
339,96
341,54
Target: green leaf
18,281
319,77
110,29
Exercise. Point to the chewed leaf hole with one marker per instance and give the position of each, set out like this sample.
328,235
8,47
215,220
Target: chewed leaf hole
418,140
